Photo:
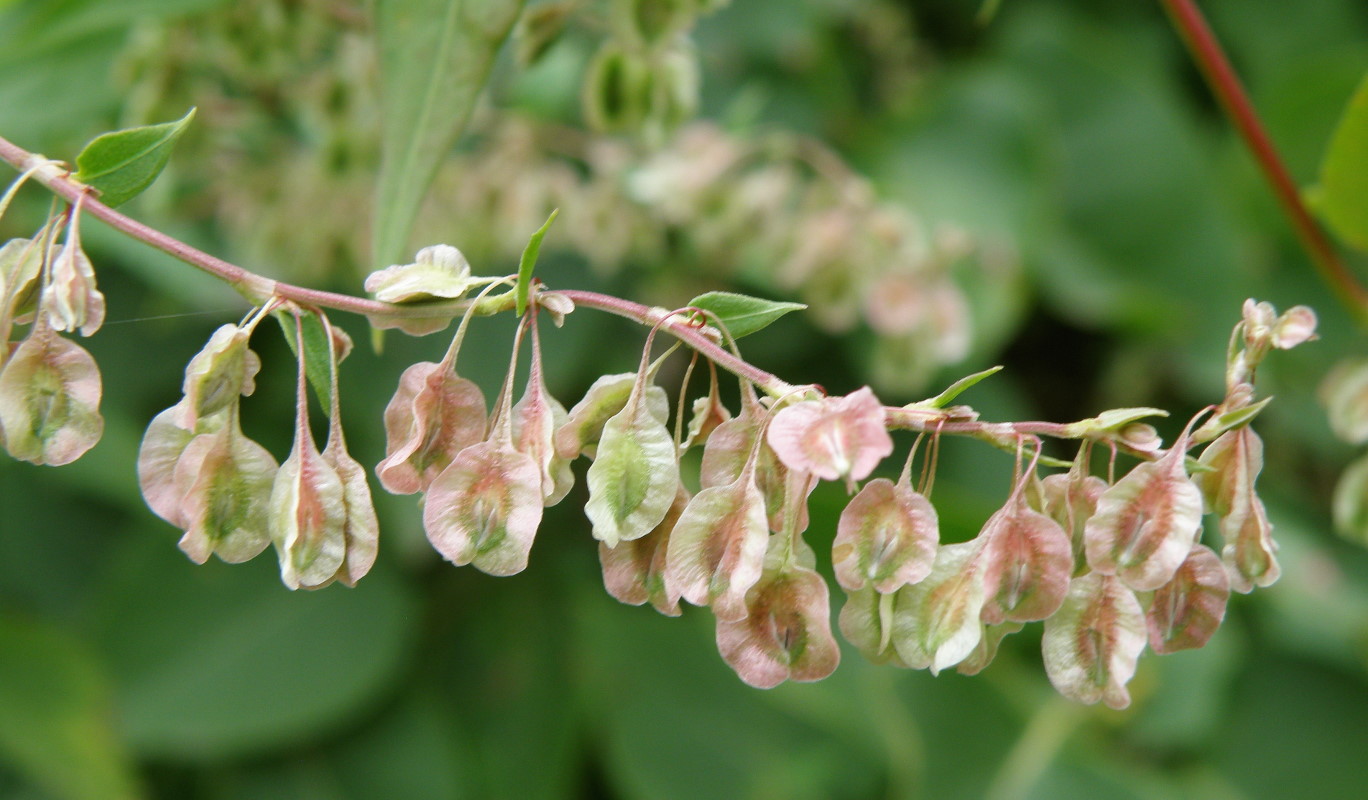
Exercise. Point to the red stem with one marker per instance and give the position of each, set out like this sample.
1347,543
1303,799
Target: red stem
1225,84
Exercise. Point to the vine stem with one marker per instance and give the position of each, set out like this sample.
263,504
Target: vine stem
1220,76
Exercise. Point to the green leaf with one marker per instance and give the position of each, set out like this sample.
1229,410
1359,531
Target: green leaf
743,314
123,163
529,260
316,360
225,661
954,390
435,56
54,716
1342,196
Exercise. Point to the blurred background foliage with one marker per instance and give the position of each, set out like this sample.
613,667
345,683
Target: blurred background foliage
1059,176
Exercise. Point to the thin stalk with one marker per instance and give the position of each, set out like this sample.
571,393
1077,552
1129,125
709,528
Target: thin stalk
1225,84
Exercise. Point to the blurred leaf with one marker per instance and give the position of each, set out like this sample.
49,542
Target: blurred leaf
223,660
122,163
1342,197
955,389
742,314
435,56
54,715
529,261
317,363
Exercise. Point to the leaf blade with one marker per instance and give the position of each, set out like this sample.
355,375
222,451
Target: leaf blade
529,261
743,314
121,164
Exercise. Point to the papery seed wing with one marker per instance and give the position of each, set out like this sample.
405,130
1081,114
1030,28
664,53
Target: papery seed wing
361,531
887,535
536,418
634,571
1071,500
1145,524
936,624
726,451
433,416
224,370
634,476
308,516
986,650
1028,560
1091,645
1186,611
717,550
50,400
484,509
1250,554
785,633
605,399
832,438
225,482
866,621
161,448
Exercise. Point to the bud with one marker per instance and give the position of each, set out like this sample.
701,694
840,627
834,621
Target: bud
50,400
833,438
1146,523
785,632
433,416
887,537
936,623
634,571
70,298
224,481
1027,562
1186,611
1092,643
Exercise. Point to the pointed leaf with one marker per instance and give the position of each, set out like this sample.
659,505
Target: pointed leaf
785,633
1342,197
434,56
955,389
742,314
50,400
318,346
936,623
887,536
1186,611
484,509
634,476
121,164
528,262
1091,645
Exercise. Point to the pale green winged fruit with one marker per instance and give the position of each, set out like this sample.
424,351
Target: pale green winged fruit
50,393
1092,643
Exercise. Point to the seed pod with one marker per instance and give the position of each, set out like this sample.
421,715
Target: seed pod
866,621
708,413
21,266
1234,461
936,623
633,479
785,632
887,536
162,446
433,416
1146,523
1070,499
224,484
484,509
218,375
833,438
717,550
361,528
536,418
1186,611
605,398
729,448
634,571
70,298
1027,562
50,400
1091,645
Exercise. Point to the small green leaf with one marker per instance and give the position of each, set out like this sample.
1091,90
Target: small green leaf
954,390
743,314
123,163
1342,196
529,260
316,360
